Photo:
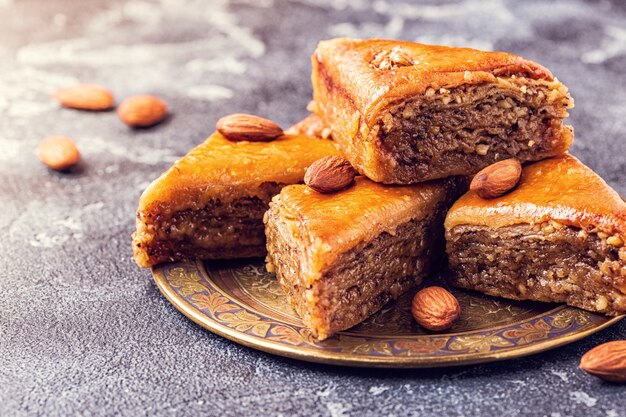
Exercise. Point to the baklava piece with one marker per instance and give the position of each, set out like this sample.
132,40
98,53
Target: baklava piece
558,237
210,204
404,112
340,257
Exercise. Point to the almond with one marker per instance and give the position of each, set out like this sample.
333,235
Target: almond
240,127
435,308
329,174
58,152
142,111
497,179
607,361
85,97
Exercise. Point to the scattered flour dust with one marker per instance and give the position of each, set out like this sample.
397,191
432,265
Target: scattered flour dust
24,93
44,240
562,375
423,11
337,4
582,397
338,409
11,150
221,35
209,92
230,65
613,44
378,389
398,13
65,228
140,154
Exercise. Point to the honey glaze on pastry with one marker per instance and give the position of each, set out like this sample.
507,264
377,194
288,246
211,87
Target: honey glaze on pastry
404,112
340,257
210,203
559,236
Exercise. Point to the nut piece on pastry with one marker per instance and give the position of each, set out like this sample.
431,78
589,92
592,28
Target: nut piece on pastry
404,112
329,174
241,127
497,179
558,237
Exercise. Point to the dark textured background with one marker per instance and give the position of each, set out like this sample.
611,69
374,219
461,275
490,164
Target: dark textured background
83,331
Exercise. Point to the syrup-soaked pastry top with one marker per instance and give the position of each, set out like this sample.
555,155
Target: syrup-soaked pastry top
328,225
376,72
226,170
312,125
561,189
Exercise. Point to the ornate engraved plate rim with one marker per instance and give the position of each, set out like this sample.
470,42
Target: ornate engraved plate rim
190,288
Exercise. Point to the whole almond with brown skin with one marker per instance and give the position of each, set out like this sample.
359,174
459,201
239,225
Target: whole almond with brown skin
58,152
85,97
497,179
240,127
607,361
329,174
435,308
142,111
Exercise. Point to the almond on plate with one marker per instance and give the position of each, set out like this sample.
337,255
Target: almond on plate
435,308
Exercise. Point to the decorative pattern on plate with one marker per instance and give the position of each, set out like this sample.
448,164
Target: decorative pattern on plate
241,301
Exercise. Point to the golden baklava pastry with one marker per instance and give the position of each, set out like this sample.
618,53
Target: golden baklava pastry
559,236
210,204
404,112
340,257
312,125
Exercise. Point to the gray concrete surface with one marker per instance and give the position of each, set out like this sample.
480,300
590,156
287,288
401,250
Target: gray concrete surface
84,332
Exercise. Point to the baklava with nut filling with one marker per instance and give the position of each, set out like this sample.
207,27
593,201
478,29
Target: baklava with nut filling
558,237
404,112
340,257
210,204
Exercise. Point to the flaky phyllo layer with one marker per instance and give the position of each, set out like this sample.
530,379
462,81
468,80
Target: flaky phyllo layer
408,112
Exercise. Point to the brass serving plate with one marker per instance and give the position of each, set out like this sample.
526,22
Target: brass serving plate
242,302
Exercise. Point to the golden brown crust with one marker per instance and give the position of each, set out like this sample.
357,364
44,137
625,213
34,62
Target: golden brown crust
561,189
347,65
225,170
353,89
335,223
341,256
312,125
